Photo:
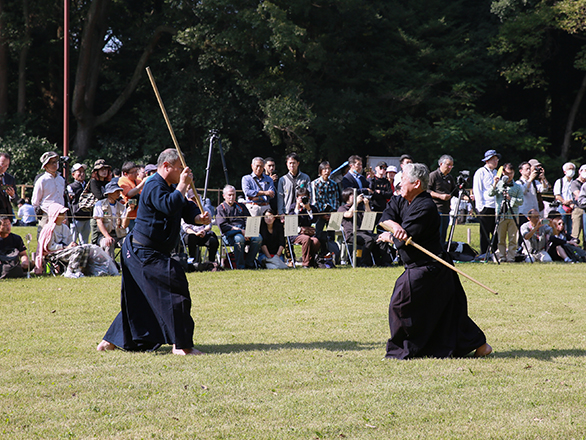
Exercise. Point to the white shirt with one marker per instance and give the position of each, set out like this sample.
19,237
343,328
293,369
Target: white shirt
561,187
483,181
530,191
48,189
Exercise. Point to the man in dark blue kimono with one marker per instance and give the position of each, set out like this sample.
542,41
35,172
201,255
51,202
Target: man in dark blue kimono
428,313
155,301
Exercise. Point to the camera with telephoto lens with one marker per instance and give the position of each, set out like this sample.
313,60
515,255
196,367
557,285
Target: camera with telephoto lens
463,178
555,204
305,200
64,160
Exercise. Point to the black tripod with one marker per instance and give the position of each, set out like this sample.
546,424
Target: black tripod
504,209
462,191
214,135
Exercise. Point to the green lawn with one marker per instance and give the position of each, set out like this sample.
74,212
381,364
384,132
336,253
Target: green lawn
295,354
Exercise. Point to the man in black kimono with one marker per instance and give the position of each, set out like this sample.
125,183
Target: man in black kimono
428,313
155,302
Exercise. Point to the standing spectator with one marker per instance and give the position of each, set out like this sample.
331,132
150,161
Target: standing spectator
484,179
13,257
403,160
441,188
507,190
49,187
101,175
290,183
271,171
231,219
578,218
80,226
391,173
26,214
382,189
310,245
354,177
258,188
108,214
532,187
8,188
131,187
325,194
563,194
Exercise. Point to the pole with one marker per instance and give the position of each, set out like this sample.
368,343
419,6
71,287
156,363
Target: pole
65,83
148,69
409,241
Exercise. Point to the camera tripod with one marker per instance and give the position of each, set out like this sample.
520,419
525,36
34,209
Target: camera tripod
504,209
214,135
462,191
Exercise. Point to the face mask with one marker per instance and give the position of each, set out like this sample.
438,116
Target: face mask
570,173
583,174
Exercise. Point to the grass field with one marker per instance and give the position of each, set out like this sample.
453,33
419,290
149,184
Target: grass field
295,354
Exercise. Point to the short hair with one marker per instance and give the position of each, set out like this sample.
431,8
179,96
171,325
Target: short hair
354,158
522,164
567,165
3,218
508,165
20,202
302,191
405,157
269,211
322,166
128,165
257,158
228,188
444,158
269,159
6,155
346,193
292,156
417,171
169,155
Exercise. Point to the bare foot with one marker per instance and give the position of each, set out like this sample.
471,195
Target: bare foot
106,346
186,351
483,350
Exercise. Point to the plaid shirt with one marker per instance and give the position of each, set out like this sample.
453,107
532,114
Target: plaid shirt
325,192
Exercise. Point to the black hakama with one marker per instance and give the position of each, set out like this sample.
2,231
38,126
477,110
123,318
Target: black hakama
428,312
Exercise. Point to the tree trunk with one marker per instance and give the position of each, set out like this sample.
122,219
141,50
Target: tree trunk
3,65
21,104
571,118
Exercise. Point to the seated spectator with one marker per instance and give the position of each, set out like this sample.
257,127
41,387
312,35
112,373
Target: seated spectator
49,187
55,240
109,214
535,233
231,219
258,188
13,256
131,187
366,241
26,214
561,243
310,245
200,235
273,241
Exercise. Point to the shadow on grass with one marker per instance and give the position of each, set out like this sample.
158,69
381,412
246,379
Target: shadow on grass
320,345
546,355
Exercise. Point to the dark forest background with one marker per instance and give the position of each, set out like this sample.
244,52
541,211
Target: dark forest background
323,78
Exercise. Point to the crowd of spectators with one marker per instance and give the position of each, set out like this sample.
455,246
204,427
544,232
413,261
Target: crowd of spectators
515,222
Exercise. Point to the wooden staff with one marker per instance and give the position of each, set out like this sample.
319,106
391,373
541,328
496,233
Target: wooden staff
435,257
152,78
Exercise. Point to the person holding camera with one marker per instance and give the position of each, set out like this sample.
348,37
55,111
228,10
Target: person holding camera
310,245
535,233
49,187
563,194
441,188
531,181
508,196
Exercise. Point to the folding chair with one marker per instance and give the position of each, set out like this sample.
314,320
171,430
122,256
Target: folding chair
225,250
